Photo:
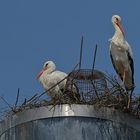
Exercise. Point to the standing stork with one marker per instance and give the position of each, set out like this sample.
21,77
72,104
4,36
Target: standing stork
122,57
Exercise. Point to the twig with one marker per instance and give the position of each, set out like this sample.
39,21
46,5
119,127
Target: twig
7,103
96,92
32,98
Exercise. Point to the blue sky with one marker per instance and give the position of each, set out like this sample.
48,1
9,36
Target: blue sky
32,32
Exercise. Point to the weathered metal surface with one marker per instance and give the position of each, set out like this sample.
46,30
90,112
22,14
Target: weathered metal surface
75,122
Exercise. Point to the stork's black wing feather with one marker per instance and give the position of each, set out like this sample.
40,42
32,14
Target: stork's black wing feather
131,65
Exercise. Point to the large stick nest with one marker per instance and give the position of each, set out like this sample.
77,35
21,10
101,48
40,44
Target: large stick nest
101,91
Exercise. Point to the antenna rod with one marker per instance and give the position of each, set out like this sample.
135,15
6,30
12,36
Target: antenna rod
17,98
81,50
94,59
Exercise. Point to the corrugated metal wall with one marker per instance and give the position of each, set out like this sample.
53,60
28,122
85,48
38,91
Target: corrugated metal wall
71,128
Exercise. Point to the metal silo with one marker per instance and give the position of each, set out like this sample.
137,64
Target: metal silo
65,122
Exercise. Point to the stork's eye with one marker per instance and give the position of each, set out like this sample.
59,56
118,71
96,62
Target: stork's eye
46,65
117,19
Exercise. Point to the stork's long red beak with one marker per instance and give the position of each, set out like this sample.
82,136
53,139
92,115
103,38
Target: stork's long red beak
40,73
120,26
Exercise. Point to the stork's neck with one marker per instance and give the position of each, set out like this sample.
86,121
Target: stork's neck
44,75
50,70
118,37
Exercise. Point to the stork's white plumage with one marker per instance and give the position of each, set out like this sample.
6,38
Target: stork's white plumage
121,55
49,77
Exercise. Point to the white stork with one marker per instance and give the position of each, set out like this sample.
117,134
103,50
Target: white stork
121,55
49,77
55,82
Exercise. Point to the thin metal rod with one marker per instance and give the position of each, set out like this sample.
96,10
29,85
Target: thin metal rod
17,98
94,58
81,50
